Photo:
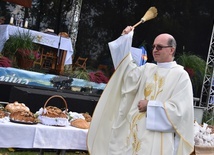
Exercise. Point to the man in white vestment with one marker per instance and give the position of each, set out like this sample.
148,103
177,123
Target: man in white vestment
144,110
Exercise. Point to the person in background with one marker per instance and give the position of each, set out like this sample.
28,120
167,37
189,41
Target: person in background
139,55
145,110
144,57
2,20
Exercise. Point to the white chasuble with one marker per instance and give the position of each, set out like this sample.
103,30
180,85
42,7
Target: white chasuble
117,127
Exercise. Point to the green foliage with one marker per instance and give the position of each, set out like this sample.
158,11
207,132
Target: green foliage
97,27
208,117
19,40
195,66
80,73
37,151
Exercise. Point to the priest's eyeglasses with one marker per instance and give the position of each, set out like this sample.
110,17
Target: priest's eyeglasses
159,47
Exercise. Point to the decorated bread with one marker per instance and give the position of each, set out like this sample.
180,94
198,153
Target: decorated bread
54,112
16,106
23,116
51,115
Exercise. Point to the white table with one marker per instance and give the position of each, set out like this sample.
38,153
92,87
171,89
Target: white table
15,135
40,38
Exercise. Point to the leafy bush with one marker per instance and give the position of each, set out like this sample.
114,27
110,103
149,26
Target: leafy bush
208,117
195,66
80,73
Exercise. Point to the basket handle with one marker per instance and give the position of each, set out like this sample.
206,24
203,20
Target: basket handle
66,106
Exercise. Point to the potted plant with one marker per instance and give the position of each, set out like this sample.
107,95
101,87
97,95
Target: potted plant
26,57
20,48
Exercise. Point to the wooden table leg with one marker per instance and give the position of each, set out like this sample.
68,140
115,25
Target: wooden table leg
61,62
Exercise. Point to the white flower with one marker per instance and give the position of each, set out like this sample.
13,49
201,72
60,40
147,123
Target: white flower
75,115
202,135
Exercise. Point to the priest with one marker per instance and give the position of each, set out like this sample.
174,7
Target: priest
144,110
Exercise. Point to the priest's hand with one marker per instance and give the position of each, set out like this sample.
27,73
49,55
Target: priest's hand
127,30
142,105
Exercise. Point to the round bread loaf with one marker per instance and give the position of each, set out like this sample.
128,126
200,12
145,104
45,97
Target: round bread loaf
16,106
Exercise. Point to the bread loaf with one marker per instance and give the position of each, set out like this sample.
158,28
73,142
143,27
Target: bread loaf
80,123
63,34
16,106
87,117
54,112
23,116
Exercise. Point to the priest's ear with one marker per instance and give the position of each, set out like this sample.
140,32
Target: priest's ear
172,51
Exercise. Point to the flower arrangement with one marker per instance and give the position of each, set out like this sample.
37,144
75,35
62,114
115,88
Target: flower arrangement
98,77
5,62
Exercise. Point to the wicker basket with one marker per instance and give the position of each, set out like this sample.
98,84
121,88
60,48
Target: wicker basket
53,121
203,150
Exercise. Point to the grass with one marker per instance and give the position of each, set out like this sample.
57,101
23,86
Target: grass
37,152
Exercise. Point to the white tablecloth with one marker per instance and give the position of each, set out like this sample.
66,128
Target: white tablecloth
40,38
41,136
